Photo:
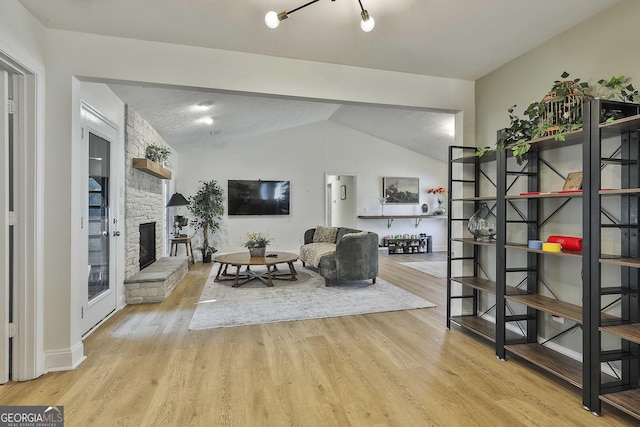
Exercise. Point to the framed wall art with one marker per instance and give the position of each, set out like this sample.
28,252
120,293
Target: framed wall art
401,190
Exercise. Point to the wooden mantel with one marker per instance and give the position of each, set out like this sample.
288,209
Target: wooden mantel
152,168
390,218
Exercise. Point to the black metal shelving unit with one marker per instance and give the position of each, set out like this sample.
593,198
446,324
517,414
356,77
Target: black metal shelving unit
468,279
608,316
614,305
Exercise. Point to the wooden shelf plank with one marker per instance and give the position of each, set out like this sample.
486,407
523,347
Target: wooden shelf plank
618,260
613,192
628,123
477,283
474,199
629,331
543,195
477,325
472,241
402,216
551,361
152,168
526,248
627,401
559,308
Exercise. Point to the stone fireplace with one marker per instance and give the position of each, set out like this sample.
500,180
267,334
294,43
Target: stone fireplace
143,195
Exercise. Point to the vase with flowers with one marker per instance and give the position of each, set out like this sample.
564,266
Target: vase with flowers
440,194
383,202
257,243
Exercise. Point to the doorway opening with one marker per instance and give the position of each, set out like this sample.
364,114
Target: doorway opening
341,200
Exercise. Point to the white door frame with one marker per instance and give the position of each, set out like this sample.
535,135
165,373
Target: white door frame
4,228
28,182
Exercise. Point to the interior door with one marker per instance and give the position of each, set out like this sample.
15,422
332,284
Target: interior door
99,294
5,244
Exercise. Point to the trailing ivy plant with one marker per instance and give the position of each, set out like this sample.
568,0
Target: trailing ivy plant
517,136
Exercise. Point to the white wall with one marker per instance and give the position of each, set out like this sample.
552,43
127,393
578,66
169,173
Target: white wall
601,47
303,155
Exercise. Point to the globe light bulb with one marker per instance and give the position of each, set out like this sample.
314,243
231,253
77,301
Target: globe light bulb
367,25
271,19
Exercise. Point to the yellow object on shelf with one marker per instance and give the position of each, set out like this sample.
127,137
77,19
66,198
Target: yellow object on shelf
551,247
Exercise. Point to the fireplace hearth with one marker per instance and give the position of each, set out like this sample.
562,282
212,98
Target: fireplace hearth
147,244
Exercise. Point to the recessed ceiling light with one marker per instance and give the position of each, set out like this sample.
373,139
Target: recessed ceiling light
203,106
206,120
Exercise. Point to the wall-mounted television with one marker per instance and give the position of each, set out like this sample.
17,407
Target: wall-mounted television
258,197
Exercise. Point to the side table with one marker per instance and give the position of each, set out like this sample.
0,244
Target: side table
186,241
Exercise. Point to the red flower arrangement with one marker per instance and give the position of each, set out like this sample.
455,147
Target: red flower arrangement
437,190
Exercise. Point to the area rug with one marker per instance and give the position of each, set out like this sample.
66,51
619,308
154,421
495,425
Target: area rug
434,268
222,306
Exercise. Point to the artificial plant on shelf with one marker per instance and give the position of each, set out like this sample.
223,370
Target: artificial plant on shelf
521,130
207,207
157,153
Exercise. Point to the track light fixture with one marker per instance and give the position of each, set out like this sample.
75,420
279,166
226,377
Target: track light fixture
272,19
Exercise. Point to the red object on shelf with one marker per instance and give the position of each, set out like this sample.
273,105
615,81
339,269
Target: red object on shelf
568,243
530,193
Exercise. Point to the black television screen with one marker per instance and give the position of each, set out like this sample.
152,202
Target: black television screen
258,197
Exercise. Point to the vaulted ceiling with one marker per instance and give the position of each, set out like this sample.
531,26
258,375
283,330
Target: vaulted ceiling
464,39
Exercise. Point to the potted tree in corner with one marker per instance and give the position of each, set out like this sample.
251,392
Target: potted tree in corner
207,208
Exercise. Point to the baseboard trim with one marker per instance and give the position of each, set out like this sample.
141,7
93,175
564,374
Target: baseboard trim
65,359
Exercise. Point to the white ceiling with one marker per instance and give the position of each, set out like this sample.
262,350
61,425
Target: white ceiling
463,39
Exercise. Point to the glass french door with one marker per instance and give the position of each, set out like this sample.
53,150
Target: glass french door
99,296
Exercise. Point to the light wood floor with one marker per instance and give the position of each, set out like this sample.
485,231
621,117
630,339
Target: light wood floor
144,368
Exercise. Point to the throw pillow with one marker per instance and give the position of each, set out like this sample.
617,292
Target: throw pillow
359,233
325,234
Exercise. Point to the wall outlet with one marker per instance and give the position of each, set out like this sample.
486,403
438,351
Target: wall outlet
557,319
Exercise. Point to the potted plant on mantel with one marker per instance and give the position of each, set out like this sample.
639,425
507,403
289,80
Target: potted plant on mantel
207,207
157,153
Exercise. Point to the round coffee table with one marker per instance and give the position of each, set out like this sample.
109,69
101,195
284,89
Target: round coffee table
240,259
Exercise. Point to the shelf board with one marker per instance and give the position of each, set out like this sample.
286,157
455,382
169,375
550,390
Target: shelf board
627,401
472,241
550,195
487,157
618,260
559,308
538,251
477,325
613,192
475,199
402,216
551,361
152,168
630,123
477,283
629,331
549,142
